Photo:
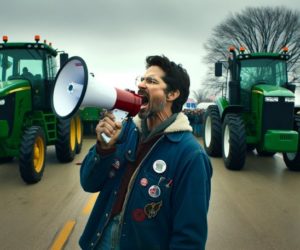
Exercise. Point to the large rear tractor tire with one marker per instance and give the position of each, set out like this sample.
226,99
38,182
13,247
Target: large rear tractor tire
292,160
65,146
234,142
32,155
212,131
79,134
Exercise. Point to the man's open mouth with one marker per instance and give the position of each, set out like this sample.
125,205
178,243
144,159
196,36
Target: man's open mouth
145,99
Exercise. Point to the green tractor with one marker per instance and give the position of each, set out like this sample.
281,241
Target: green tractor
256,111
27,122
90,117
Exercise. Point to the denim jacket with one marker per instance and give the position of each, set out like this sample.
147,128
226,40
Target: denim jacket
168,195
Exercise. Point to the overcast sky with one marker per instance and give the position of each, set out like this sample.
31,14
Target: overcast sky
115,36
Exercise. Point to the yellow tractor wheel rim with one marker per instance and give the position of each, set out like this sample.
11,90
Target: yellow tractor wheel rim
73,134
38,154
78,130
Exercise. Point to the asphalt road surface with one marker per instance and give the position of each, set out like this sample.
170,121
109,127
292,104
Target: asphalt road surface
256,208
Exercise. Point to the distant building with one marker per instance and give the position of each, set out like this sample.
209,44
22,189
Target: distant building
190,104
204,105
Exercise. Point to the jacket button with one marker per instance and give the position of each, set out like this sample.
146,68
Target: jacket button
106,215
98,234
129,151
92,244
115,192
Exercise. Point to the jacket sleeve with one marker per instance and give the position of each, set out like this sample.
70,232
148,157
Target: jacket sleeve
190,199
96,167
94,170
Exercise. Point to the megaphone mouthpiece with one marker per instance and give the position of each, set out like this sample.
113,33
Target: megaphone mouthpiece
128,101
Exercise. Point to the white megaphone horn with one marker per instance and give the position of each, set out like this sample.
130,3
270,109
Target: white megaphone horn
73,89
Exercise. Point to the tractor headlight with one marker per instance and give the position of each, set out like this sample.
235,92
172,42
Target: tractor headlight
271,99
289,99
2,102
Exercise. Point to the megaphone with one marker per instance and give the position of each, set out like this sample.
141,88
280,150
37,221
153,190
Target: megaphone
73,89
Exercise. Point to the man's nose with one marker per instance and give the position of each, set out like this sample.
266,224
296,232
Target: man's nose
142,84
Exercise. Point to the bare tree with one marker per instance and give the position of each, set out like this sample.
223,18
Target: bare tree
201,95
257,29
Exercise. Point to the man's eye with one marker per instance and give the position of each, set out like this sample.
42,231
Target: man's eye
151,80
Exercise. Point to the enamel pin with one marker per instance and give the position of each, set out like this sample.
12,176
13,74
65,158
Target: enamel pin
152,209
116,164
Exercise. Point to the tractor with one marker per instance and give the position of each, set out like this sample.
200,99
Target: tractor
27,123
255,111
90,117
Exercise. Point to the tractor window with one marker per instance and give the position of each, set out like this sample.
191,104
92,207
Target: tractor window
264,71
281,76
35,67
51,68
15,60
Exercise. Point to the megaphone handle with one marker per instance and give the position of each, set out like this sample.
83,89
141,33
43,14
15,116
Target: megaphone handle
105,138
120,115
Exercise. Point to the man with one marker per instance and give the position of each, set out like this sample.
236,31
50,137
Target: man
26,73
153,176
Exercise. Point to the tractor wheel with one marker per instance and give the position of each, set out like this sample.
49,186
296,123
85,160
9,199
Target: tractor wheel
65,146
234,142
32,155
292,160
212,131
79,134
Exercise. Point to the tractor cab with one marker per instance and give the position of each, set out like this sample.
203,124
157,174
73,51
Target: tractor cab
246,71
29,62
259,68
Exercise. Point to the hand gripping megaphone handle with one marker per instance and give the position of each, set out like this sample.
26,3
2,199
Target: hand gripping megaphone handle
120,115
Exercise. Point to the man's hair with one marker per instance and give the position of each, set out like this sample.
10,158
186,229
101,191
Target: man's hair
176,78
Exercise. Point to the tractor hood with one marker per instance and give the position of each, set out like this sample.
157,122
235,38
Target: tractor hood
12,86
270,90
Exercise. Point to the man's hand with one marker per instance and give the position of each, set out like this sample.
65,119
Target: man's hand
110,128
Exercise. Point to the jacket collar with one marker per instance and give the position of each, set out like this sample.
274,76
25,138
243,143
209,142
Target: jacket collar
180,124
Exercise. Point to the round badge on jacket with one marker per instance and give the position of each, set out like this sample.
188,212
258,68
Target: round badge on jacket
159,166
144,182
154,191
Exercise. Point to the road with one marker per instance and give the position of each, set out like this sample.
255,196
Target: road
31,216
256,208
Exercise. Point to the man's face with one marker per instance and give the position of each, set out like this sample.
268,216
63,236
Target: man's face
153,92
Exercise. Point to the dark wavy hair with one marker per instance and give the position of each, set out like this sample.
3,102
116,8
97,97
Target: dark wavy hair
176,78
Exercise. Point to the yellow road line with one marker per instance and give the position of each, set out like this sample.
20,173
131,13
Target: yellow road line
88,207
63,235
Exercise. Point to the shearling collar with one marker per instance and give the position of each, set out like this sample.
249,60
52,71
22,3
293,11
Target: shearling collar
180,124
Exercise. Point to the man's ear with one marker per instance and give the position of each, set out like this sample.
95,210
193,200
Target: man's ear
173,95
